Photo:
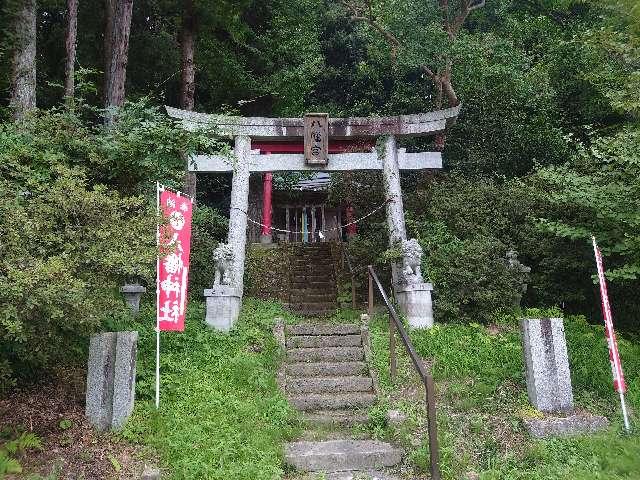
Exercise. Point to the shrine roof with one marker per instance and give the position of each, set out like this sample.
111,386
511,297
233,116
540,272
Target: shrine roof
418,124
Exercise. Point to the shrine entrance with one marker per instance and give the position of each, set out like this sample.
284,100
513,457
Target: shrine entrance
303,223
317,144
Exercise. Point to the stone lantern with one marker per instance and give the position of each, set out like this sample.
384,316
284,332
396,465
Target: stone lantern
132,294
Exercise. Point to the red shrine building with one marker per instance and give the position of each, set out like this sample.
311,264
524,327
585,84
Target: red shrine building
301,214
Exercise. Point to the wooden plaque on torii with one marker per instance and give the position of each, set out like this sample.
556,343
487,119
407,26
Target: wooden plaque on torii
316,139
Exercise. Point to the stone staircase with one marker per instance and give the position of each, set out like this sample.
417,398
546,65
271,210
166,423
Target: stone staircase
313,280
326,377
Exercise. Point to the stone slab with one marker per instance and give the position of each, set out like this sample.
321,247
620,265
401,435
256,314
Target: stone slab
358,475
546,364
565,426
319,329
310,369
111,379
100,373
150,473
329,384
341,455
315,341
124,379
332,401
325,354
336,418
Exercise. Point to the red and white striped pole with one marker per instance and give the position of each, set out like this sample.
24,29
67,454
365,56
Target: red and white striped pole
614,356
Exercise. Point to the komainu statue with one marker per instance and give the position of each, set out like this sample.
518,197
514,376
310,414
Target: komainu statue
224,259
411,259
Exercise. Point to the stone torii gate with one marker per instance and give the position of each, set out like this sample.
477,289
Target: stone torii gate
318,131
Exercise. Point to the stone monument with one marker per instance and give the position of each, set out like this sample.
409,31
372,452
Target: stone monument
111,379
547,364
549,381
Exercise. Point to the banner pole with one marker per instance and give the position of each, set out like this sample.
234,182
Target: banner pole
614,354
157,296
625,416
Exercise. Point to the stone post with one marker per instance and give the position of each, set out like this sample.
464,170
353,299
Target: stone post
224,301
414,295
111,379
547,364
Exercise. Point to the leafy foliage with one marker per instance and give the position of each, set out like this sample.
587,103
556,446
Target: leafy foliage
24,442
76,193
603,186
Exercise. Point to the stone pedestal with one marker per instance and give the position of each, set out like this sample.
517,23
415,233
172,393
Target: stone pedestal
223,306
111,379
132,295
415,303
547,364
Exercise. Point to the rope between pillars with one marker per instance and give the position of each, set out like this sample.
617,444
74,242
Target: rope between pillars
282,230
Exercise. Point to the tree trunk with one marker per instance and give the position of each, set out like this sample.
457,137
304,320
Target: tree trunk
188,85
23,65
187,38
70,48
116,53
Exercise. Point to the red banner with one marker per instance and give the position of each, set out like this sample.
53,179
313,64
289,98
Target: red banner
614,357
174,242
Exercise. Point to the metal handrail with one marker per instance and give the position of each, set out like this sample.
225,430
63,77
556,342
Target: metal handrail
427,379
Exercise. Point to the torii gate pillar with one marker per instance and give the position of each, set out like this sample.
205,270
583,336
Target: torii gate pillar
224,301
412,294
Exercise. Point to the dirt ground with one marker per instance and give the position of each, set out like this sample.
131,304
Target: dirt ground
71,448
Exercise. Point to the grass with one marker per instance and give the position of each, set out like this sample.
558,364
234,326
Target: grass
221,414
481,397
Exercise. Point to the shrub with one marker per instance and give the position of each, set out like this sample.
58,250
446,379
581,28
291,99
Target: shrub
64,249
471,277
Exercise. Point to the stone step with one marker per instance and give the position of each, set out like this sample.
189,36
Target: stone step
318,282
315,313
329,384
317,294
326,285
341,455
312,306
313,262
316,341
323,329
331,401
328,369
335,418
325,354
354,475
